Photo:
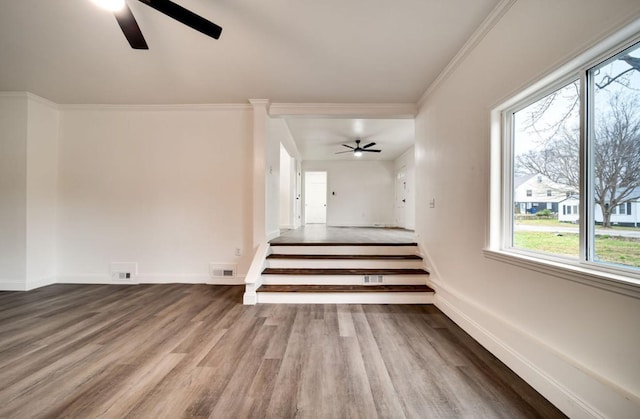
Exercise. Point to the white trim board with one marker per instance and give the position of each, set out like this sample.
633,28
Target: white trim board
344,110
477,36
6,285
150,279
574,388
344,298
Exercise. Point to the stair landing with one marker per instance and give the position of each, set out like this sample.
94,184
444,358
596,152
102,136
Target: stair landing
344,265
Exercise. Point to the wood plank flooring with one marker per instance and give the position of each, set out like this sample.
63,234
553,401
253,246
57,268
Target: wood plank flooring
321,234
343,271
171,351
343,257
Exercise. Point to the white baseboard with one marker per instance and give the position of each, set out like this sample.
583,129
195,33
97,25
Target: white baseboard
42,282
8,285
574,388
150,279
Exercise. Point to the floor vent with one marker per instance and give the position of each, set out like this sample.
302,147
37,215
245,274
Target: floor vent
373,279
222,271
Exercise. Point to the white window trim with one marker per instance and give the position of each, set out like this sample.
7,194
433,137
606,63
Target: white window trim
618,280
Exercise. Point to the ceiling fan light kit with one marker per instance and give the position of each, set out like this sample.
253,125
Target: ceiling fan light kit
357,150
132,31
111,5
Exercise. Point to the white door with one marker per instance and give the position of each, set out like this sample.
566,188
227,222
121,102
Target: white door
401,198
315,201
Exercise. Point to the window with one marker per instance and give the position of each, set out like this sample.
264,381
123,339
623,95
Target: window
544,139
613,138
581,134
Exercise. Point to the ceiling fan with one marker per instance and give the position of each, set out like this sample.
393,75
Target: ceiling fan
357,150
132,31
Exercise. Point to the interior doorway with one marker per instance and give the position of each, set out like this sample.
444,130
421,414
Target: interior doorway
315,197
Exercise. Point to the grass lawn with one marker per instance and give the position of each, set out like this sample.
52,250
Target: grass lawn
624,251
556,223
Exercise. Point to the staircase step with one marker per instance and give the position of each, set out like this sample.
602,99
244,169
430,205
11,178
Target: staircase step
344,288
341,280
342,271
344,257
344,294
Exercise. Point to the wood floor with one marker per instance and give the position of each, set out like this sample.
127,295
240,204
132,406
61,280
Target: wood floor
171,351
319,234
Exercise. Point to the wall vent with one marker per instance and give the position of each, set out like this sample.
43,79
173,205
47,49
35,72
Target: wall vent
123,271
373,279
217,270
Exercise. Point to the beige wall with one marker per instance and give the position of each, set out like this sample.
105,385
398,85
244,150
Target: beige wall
42,183
167,188
13,187
577,344
364,191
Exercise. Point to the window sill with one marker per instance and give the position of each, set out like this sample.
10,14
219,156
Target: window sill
604,280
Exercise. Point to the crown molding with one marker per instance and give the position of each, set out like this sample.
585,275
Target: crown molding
177,107
485,27
30,96
344,110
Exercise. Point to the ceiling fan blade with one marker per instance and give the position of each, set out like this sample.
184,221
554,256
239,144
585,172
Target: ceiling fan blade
348,146
342,152
130,28
372,151
185,16
369,145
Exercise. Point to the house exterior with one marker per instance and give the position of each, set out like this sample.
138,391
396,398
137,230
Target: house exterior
569,210
627,214
535,192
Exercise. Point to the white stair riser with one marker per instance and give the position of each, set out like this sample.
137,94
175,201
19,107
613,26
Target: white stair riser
345,264
345,297
345,250
341,280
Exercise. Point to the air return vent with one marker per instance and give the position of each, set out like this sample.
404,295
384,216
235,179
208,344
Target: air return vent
217,270
123,271
373,279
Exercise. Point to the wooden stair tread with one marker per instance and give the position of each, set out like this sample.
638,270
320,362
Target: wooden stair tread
344,288
339,244
343,271
346,257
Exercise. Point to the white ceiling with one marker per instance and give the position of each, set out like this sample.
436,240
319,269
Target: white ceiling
329,51
321,138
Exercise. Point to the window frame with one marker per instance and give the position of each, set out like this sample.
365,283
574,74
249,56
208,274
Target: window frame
582,269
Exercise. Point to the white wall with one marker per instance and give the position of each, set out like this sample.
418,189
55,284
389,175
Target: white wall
364,191
276,131
297,205
13,191
407,162
41,187
576,344
168,188
287,183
